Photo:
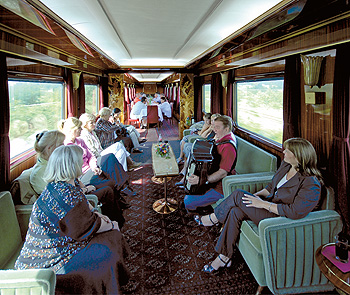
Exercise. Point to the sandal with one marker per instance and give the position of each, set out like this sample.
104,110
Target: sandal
208,268
198,219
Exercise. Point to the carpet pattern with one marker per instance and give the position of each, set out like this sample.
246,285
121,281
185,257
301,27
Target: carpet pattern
169,251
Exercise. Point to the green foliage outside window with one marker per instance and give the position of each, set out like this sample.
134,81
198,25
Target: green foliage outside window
206,97
260,107
91,99
34,107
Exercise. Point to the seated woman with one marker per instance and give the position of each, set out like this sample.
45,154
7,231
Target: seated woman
293,193
101,172
66,235
108,133
93,143
45,143
186,138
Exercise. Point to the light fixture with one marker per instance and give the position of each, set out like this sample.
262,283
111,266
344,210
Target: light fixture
312,68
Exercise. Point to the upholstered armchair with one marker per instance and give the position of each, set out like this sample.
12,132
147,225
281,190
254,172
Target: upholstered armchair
280,251
35,281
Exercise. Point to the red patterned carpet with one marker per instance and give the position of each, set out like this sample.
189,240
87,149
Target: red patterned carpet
169,251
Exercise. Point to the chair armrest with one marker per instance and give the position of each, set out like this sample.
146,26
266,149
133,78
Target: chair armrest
288,248
186,132
23,213
193,138
93,200
252,182
29,281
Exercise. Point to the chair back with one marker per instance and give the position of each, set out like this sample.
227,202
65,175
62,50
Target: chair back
152,114
10,232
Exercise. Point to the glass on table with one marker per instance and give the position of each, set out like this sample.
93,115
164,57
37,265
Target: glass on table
341,248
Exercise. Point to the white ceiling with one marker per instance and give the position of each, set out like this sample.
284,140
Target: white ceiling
158,33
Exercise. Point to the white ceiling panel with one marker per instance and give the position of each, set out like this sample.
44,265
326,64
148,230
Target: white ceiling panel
158,33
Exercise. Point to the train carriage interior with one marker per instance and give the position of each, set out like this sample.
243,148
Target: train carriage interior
275,71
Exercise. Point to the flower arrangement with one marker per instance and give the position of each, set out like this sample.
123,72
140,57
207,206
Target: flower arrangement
163,150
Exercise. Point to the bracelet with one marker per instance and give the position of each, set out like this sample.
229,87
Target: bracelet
94,210
270,207
112,226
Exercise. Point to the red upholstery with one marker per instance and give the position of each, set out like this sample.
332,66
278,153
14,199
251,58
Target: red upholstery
130,121
152,115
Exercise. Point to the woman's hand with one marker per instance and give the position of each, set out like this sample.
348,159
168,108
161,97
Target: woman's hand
193,179
252,201
97,171
90,188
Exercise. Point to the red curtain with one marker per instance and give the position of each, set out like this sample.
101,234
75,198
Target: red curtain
4,126
292,98
216,103
103,92
229,94
81,96
340,151
68,78
198,101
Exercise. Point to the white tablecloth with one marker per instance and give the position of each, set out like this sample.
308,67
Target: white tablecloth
143,113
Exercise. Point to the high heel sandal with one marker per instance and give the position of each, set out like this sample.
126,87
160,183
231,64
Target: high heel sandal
208,268
198,220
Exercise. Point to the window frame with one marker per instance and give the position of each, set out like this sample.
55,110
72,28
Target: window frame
249,133
30,152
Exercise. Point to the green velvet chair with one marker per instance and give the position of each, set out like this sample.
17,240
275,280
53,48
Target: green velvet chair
280,251
34,281
255,168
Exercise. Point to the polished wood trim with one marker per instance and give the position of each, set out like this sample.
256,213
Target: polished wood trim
22,162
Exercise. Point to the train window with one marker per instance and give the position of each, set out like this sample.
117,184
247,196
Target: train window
34,106
260,107
91,99
206,96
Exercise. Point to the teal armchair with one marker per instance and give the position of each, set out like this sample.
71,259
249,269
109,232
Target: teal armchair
280,251
33,281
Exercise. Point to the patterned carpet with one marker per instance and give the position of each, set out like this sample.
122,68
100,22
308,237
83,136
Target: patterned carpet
169,251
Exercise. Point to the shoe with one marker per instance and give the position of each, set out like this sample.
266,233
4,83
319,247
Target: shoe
143,140
137,151
198,219
208,268
128,192
179,183
135,165
179,160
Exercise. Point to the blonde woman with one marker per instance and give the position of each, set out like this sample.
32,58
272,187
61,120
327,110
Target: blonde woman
66,235
105,172
93,143
293,193
45,143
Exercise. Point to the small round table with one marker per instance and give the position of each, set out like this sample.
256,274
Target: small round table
339,279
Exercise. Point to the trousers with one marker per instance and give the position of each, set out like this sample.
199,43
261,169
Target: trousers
231,212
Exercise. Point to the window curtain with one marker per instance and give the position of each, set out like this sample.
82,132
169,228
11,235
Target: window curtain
4,126
81,96
171,93
216,103
340,151
292,98
68,78
198,98
103,92
229,95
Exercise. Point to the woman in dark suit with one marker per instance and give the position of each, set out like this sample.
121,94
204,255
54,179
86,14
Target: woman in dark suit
293,193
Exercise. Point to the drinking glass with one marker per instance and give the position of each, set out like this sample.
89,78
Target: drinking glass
341,248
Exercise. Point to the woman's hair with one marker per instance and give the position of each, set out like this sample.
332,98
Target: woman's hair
116,111
104,112
46,139
207,116
69,124
84,118
65,163
305,154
